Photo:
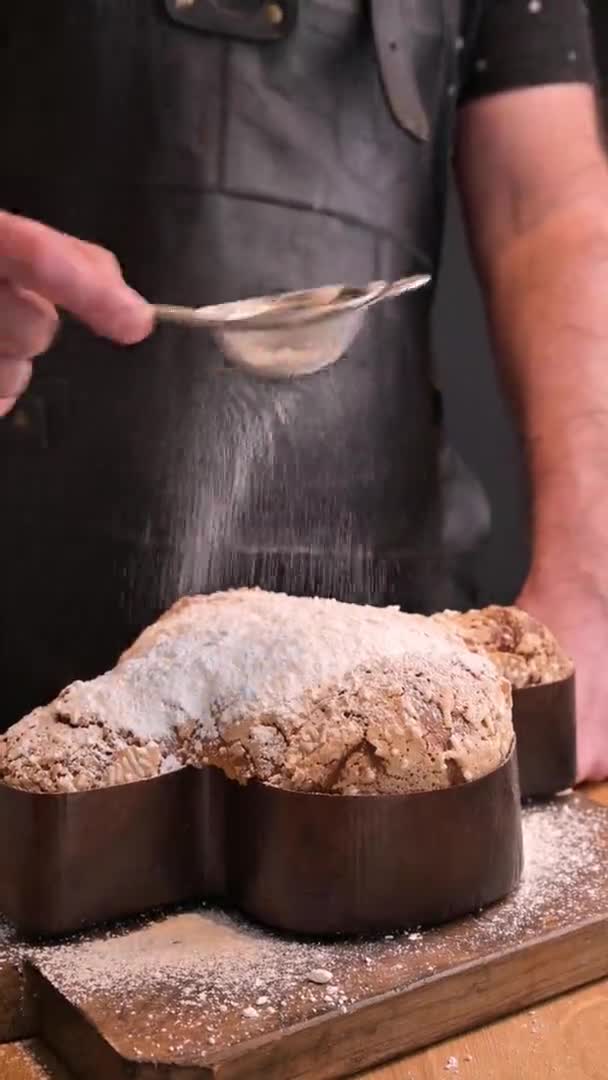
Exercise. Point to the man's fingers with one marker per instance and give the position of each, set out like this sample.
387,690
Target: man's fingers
27,327
14,378
28,324
6,404
82,278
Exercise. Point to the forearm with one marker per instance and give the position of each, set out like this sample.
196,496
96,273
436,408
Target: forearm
547,295
536,200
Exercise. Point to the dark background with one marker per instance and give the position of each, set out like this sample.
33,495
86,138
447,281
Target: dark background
479,424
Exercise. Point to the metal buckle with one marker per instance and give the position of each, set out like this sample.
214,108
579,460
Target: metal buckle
251,20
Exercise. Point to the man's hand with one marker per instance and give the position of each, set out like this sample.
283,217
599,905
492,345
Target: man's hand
537,205
577,613
40,270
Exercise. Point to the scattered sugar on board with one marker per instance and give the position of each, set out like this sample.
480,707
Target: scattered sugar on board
8,937
176,984
321,976
22,1061
561,867
11,947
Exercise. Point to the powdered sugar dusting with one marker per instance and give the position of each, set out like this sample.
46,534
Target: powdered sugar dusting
304,693
566,861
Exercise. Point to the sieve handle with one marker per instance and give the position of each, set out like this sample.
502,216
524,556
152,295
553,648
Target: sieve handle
183,316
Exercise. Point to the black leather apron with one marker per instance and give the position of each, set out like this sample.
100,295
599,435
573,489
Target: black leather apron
219,165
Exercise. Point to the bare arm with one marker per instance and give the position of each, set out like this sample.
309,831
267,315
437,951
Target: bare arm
41,269
535,187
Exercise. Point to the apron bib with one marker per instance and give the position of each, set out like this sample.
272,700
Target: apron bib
221,153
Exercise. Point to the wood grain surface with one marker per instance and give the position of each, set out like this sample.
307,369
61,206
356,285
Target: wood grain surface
16,1009
29,1061
400,995
561,945
564,1039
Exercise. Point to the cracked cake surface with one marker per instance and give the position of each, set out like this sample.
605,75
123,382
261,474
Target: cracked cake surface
523,649
306,694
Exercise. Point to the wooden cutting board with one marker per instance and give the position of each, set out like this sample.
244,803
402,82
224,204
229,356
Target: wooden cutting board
203,994
29,1060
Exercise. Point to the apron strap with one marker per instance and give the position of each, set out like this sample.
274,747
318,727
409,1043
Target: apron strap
268,20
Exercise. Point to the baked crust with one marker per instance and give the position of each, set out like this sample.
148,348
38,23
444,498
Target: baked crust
306,694
522,648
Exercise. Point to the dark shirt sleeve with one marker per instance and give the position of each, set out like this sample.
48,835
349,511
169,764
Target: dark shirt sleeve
519,43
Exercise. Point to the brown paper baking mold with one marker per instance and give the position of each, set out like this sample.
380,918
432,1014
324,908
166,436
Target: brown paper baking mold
303,863
544,718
